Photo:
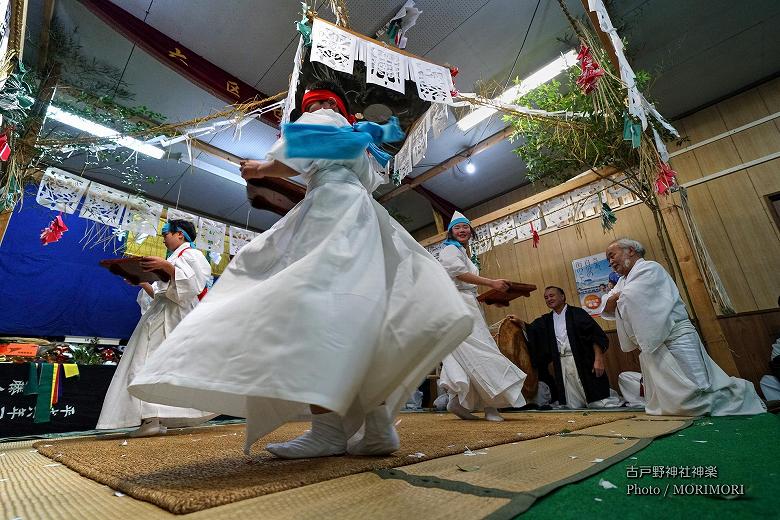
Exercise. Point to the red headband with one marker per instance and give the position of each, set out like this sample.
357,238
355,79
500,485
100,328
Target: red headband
313,96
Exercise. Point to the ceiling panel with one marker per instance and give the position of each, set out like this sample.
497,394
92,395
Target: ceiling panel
698,51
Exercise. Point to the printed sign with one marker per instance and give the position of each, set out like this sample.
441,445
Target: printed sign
591,274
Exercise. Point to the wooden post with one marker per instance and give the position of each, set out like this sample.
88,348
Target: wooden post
18,27
703,308
439,222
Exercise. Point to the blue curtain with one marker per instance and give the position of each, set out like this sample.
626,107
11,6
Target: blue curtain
59,289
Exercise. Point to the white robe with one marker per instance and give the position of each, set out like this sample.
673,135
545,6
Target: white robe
680,378
476,372
630,384
770,385
143,299
336,305
172,301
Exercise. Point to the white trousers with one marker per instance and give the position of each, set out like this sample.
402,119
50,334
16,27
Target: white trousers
629,384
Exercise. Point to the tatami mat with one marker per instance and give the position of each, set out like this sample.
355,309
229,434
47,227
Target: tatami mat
496,482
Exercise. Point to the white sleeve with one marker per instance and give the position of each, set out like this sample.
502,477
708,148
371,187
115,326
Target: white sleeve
453,262
609,316
191,274
646,304
144,301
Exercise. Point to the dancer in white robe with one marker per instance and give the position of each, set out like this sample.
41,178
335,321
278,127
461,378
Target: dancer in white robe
335,309
170,302
680,378
476,375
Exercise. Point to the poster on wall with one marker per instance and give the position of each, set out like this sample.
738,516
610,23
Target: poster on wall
591,275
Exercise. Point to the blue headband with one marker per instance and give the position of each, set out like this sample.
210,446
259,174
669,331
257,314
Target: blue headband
169,228
457,221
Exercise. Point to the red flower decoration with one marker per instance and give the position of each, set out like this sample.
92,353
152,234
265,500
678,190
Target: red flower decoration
666,179
454,72
54,232
591,72
5,150
534,234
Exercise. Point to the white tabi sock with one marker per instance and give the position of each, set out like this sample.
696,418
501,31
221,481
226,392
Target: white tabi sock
325,438
149,428
378,438
491,414
454,406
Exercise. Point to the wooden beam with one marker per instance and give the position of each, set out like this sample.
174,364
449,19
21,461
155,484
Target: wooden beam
449,163
572,184
604,37
18,27
440,205
437,219
43,47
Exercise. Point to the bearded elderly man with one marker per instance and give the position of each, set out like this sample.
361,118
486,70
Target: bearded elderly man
680,378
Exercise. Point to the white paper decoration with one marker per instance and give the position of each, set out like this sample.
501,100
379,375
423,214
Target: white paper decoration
434,82
419,142
481,233
503,230
402,162
61,191
481,247
524,219
481,242
333,47
239,237
438,115
558,212
586,201
211,236
385,67
619,194
141,216
435,249
289,104
175,214
104,205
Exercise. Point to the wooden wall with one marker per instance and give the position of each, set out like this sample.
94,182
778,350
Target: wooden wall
732,212
750,336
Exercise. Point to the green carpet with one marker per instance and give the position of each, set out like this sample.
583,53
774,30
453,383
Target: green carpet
745,450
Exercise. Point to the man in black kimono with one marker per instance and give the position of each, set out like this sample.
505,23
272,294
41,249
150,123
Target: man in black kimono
570,342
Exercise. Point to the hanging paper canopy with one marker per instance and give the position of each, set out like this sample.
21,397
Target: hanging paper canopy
379,81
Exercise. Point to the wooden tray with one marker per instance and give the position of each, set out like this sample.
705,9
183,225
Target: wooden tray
130,269
502,299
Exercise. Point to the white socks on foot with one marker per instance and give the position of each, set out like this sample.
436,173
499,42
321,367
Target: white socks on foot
378,438
491,414
149,428
326,438
454,406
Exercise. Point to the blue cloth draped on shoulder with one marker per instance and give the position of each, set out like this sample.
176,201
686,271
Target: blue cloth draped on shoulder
346,142
450,242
